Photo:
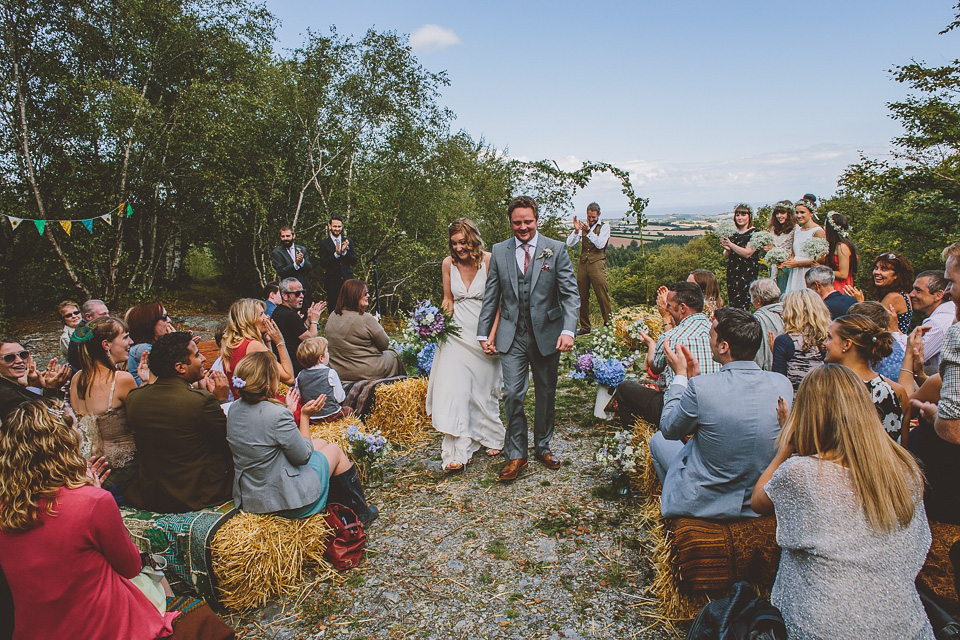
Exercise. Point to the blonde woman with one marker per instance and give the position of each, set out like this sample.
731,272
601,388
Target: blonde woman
63,547
278,467
799,348
463,392
69,313
850,517
248,330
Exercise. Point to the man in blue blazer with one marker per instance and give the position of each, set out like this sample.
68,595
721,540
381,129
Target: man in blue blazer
731,417
532,286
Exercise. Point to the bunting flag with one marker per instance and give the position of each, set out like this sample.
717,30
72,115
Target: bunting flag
124,210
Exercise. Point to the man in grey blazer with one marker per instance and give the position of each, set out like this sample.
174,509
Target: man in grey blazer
731,417
531,283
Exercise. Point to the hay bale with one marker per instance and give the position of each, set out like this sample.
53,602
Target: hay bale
625,317
674,602
336,432
400,412
260,557
645,479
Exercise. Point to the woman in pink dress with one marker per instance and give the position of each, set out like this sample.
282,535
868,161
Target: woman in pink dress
63,547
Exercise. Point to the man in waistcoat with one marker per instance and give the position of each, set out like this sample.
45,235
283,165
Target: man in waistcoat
531,283
592,269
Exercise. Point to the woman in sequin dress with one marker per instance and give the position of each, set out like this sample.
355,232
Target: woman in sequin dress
850,517
743,262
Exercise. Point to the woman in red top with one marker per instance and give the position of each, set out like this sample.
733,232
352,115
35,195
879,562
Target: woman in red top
63,546
246,323
842,256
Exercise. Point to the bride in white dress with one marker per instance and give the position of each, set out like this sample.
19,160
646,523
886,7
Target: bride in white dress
463,395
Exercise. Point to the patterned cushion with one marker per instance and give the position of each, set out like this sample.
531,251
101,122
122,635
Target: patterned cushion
937,574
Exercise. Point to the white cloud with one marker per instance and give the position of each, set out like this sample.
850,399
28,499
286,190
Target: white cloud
432,37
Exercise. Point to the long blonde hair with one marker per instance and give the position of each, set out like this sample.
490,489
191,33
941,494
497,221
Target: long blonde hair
259,373
39,455
471,236
243,323
833,417
805,314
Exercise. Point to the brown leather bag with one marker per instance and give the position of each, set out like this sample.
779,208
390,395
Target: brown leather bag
345,548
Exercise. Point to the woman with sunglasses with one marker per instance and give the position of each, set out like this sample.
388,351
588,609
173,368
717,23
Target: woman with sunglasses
147,322
248,330
98,394
69,312
359,347
17,372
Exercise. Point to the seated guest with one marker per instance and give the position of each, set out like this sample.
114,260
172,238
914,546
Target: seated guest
820,280
279,468
800,347
271,295
293,326
731,417
849,517
70,315
929,295
891,365
249,330
712,300
857,343
359,347
684,304
147,322
318,379
91,310
180,433
98,393
16,375
765,296
63,547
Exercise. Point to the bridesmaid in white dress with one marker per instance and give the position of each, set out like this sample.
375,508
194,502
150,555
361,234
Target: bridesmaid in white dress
806,228
463,395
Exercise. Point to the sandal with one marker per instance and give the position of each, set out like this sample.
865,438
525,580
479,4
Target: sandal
493,452
454,468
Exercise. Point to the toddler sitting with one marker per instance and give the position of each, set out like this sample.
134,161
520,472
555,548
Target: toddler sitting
317,379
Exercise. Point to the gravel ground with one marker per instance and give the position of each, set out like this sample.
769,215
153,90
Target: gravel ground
547,556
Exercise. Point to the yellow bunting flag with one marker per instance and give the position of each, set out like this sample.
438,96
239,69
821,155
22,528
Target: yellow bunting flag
15,221
67,225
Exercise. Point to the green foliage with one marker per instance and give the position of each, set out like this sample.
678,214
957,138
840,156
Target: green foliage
637,282
201,265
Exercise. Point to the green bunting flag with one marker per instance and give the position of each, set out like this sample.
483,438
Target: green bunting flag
129,210
88,224
41,225
124,210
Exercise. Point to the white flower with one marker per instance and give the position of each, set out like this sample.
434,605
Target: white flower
429,318
892,423
545,254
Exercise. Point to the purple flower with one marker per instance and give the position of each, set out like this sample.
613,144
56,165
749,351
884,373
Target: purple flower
584,363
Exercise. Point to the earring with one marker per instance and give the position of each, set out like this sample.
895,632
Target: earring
844,349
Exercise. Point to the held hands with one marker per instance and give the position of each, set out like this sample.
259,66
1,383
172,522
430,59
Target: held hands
489,347
315,311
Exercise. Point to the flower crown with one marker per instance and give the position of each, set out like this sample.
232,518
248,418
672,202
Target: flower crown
744,205
803,202
239,383
786,205
82,334
843,233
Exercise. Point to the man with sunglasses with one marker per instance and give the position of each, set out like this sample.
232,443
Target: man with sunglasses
17,372
291,324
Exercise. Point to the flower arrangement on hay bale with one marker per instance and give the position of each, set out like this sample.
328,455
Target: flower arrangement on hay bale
629,321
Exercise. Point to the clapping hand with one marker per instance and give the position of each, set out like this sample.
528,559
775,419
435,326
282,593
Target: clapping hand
662,300
853,292
97,470
54,376
143,367
313,407
344,246
316,310
272,331
293,399
928,410
299,257
725,243
771,338
216,383
783,411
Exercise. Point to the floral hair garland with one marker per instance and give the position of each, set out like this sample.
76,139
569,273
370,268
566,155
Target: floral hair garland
843,233
239,383
785,205
743,205
803,202
83,334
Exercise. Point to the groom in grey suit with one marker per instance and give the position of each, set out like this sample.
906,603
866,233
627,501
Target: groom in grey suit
531,283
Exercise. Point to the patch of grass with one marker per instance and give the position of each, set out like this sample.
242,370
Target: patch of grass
488,481
605,492
557,522
515,597
545,483
321,605
615,576
469,535
355,581
498,550
485,578
535,567
512,614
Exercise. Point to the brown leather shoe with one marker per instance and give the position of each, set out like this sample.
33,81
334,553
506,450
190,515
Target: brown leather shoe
549,460
512,470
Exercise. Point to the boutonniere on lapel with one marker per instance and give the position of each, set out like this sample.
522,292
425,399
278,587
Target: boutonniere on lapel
545,254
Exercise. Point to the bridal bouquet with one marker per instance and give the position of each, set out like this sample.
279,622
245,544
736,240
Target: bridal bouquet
725,228
431,323
776,255
815,247
761,239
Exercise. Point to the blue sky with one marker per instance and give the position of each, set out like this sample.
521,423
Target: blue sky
706,103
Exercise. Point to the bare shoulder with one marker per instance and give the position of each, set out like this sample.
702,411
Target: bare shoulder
447,262
486,258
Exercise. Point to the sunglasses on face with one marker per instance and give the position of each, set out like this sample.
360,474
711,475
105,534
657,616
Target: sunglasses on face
165,317
10,358
71,314
293,293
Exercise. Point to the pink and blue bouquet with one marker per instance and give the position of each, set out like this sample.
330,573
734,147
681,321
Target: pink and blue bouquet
432,323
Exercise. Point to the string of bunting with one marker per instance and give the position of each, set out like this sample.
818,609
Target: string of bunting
124,209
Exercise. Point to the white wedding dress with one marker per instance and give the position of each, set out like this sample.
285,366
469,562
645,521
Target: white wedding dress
463,395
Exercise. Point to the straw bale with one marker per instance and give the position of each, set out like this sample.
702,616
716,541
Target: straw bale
645,479
675,604
400,412
336,432
628,315
260,557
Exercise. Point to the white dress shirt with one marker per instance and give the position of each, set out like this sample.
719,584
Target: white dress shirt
337,241
598,238
292,250
938,321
